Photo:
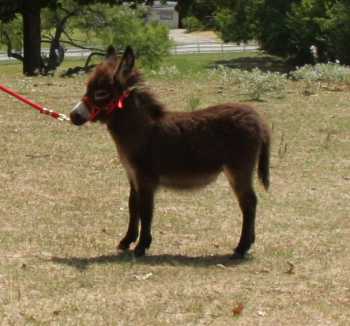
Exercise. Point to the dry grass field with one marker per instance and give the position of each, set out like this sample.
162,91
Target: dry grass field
63,209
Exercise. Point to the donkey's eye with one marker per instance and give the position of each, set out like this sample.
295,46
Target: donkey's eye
101,95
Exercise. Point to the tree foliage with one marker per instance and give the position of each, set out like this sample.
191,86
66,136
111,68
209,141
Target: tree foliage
12,30
10,8
235,20
289,27
202,10
104,18
192,24
123,26
336,27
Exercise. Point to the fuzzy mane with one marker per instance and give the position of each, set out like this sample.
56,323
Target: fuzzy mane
144,95
149,102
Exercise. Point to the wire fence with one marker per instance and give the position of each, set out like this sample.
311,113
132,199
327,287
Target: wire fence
211,47
193,48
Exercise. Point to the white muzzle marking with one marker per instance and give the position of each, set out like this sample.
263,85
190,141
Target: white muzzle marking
82,110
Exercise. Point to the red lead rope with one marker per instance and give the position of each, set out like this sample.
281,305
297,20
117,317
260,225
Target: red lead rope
36,106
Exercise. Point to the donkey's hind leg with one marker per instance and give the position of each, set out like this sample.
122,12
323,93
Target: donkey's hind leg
133,228
242,184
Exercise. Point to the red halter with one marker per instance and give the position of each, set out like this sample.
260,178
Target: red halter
111,106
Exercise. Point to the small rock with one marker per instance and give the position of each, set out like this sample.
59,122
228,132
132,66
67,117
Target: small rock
261,313
143,277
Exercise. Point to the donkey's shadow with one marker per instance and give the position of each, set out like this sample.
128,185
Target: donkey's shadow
83,263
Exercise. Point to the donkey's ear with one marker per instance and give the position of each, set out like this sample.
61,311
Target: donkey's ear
111,53
128,59
127,63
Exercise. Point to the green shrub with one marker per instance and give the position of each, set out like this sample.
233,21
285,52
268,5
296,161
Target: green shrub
192,24
228,76
289,28
122,26
312,76
236,25
337,27
255,84
14,32
327,72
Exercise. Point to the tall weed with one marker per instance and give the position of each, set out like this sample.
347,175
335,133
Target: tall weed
193,103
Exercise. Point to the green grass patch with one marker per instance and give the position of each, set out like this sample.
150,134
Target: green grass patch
197,64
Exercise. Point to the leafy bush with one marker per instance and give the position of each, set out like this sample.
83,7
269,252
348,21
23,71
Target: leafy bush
225,25
301,24
13,29
192,24
337,27
330,72
271,30
255,84
228,76
237,25
122,26
289,28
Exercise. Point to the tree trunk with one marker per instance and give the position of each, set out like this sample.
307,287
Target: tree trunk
31,39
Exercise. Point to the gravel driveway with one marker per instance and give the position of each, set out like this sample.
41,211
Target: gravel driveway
179,36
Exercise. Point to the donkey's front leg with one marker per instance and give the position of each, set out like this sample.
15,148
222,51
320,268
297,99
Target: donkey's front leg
145,206
133,229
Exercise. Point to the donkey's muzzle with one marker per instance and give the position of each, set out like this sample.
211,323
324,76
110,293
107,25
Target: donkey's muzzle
80,114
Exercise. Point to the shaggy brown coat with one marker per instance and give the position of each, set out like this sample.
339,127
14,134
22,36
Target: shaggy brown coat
178,150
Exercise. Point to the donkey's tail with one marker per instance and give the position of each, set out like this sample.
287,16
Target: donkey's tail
264,161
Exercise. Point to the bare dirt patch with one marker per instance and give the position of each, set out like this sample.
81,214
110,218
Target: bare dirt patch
182,37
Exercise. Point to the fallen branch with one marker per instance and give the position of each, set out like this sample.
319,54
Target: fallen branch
85,69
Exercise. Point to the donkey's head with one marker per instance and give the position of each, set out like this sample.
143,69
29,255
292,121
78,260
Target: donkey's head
107,88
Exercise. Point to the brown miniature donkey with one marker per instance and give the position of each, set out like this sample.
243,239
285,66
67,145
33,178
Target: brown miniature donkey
178,150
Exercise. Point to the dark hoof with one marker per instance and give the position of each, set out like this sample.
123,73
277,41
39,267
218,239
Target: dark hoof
123,245
237,255
139,251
